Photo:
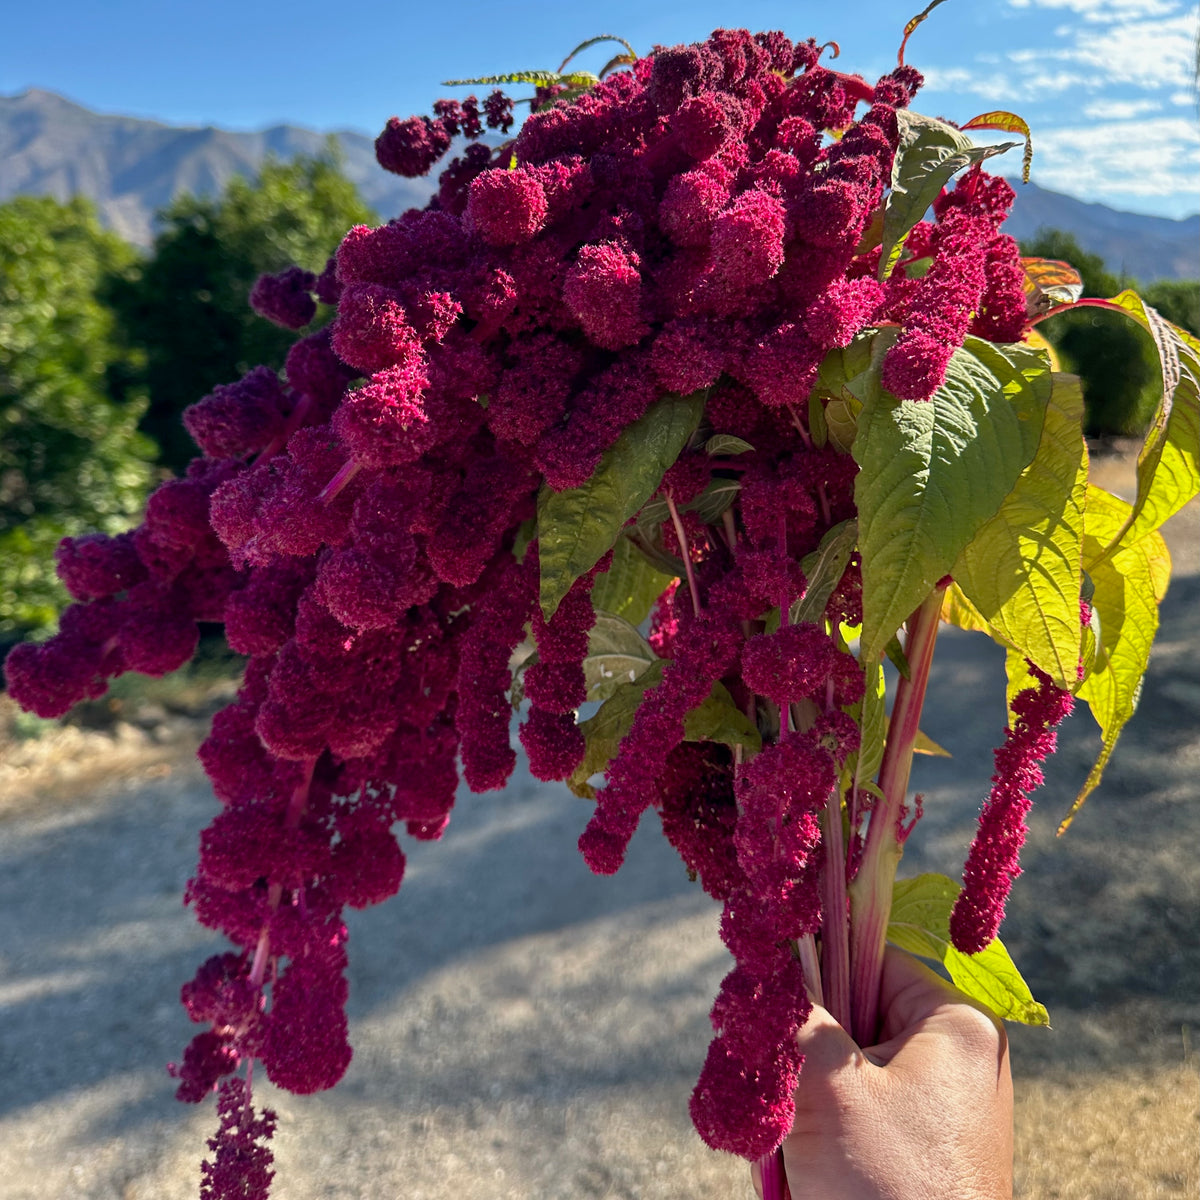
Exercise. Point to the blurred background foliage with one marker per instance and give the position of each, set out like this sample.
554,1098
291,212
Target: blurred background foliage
71,458
1115,359
102,347
185,309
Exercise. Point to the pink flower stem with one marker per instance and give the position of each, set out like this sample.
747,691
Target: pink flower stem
345,473
683,547
871,892
295,419
810,964
774,1176
291,819
835,918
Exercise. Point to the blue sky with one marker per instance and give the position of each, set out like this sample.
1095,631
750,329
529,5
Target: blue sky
1107,85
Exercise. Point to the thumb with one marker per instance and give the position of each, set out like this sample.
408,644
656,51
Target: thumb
826,1046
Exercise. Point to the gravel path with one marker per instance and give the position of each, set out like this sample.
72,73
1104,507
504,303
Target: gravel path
523,1029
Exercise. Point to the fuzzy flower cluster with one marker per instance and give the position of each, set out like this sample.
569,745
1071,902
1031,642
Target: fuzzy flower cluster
994,858
361,527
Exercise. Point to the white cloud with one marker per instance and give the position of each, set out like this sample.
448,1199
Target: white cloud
1107,10
1149,54
1006,89
1156,157
1119,110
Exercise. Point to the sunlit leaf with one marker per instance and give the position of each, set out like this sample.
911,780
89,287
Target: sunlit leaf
932,472
1129,584
1022,569
920,923
1168,470
1009,123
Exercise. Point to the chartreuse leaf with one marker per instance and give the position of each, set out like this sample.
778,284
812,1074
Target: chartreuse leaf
929,154
1021,571
959,611
577,527
920,924
1010,123
926,745
932,472
823,569
630,586
1128,587
1168,473
715,719
617,654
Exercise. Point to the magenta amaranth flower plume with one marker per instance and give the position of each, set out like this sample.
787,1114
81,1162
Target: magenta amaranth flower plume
993,862
699,231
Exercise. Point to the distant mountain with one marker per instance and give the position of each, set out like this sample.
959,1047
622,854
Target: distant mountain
1145,248
131,168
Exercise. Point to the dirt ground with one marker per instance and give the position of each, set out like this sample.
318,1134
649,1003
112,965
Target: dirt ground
523,1029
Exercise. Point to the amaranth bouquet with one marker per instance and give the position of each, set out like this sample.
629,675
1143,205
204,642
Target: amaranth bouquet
680,389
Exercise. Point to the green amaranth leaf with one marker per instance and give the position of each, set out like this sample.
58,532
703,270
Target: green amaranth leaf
823,569
1022,570
843,375
718,496
873,724
577,527
726,444
630,586
932,472
926,745
920,924
617,654
715,719
1168,473
929,154
1129,585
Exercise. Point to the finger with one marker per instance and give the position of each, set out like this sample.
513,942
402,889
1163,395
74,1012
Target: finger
919,1005
909,992
826,1046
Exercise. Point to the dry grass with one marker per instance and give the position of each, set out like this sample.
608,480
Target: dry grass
1129,1136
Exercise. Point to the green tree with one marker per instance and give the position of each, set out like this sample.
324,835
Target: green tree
1178,300
70,457
1115,360
188,309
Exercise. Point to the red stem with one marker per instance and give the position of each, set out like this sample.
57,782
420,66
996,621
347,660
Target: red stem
871,892
774,1176
683,549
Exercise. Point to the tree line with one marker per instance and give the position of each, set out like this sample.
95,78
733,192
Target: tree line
102,347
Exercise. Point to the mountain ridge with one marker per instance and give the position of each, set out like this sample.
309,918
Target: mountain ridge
131,167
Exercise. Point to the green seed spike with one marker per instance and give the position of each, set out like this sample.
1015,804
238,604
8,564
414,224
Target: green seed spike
595,41
912,25
537,78
621,60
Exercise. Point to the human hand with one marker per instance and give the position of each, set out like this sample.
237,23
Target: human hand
927,1114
